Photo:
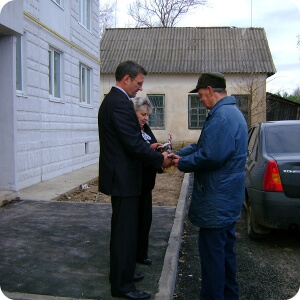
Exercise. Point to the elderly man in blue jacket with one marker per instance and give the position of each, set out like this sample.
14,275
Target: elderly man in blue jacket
217,160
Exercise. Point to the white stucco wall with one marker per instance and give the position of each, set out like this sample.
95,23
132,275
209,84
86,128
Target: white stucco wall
175,87
55,137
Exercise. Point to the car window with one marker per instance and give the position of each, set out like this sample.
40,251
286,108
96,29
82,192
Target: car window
282,139
252,143
252,139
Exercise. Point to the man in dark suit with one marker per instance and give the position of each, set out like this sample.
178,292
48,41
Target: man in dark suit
122,153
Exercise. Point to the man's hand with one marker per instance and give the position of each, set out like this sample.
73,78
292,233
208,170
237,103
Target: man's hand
175,158
167,160
155,145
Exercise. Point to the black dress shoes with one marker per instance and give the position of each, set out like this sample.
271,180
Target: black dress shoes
146,261
134,295
138,277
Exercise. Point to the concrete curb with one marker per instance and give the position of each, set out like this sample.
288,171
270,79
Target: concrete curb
19,296
169,271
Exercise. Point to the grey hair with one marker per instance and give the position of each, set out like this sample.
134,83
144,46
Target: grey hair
141,103
219,90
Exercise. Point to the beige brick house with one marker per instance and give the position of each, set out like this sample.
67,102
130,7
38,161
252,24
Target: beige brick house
175,57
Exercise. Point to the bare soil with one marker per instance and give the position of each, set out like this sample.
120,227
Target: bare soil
166,191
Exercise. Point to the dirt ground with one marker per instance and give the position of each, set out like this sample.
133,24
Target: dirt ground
166,191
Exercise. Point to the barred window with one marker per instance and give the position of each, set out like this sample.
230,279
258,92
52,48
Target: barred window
242,104
156,118
197,112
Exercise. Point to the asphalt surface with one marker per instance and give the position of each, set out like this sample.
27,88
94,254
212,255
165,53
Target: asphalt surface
60,250
53,250
267,269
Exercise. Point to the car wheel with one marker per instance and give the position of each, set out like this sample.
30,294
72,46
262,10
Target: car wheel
250,223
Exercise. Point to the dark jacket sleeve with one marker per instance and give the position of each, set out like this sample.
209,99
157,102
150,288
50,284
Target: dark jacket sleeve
122,152
215,147
128,130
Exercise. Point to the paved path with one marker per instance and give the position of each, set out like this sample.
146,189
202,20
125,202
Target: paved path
60,250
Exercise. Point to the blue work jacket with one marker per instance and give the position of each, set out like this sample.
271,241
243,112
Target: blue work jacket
218,162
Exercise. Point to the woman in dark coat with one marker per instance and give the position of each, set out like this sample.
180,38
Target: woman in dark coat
143,108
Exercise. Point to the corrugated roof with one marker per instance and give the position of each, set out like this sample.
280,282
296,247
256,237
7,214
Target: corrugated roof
188,49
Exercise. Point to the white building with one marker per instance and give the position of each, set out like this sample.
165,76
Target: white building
49,90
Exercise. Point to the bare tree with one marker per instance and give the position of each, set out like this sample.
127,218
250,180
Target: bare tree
107,15
164,13
253,104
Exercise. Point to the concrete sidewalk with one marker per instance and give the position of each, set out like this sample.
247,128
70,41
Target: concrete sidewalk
60,250
53,188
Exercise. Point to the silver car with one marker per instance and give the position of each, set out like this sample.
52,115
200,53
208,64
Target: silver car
273,177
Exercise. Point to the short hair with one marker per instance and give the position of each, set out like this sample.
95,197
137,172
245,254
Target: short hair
130,68
141,103
219,90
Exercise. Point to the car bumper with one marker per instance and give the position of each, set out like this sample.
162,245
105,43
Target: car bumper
274,210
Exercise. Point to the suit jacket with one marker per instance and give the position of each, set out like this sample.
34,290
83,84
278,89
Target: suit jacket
122,151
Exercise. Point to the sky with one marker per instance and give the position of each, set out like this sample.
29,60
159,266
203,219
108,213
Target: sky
280,19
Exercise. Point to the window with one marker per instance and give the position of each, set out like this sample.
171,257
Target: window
85,13
197,112
242,104
156,118
85,84
253,143
19,67
54,73
282,139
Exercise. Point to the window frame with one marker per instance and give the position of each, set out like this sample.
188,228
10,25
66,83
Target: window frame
200,107
19,64
153,117
85,14
87,87
243,109
53,73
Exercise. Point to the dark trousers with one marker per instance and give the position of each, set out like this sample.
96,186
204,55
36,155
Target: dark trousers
145,220
123,239
218,263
